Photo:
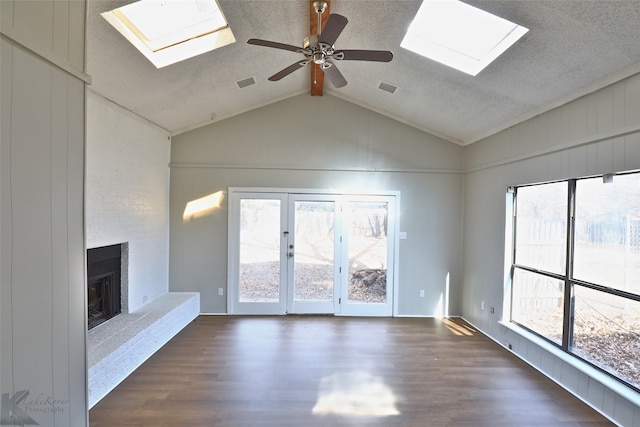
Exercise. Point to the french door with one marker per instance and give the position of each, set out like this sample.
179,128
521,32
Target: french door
311,253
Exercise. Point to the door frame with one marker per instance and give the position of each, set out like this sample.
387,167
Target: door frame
233,249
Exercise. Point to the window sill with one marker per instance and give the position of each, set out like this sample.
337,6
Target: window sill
604,379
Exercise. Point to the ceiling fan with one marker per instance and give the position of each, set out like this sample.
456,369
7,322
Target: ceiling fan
318,49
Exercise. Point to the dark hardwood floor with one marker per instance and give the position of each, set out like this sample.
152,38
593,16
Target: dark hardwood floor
333,371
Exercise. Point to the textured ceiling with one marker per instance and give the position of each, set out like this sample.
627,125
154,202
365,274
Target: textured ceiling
572,48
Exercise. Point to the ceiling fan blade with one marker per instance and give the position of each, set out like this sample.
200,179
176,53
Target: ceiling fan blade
275,45
332,29
363,55
290,69
335,76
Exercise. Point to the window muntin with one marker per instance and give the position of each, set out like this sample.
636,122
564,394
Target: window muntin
541,227
598,315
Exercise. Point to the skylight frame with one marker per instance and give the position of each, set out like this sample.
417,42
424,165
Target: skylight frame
437,18
210,30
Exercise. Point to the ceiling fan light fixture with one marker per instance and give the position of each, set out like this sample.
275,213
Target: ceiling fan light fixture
169,31
318,58
459,35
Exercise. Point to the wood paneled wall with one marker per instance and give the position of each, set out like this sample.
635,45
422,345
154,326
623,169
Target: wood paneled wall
54,29
596,134
42,283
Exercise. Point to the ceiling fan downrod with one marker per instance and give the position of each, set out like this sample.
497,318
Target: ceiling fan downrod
318,54
319,7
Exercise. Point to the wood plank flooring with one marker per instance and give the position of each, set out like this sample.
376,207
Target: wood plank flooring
336,371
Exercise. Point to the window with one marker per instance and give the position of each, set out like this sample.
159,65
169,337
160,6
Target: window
459,35
576,269
169,31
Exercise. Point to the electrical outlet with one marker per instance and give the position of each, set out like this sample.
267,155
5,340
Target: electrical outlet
492,310
482,306
421,293
220,291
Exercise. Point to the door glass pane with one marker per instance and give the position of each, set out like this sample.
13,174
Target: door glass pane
538,303
606,332
607,243
541,226
368,249
259,250
314,250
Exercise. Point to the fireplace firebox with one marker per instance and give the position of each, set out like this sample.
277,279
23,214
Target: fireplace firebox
104,266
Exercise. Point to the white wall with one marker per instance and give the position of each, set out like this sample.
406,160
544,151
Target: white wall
278,146
127,194
42,284
596,134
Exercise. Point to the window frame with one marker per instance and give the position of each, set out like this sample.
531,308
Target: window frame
570,282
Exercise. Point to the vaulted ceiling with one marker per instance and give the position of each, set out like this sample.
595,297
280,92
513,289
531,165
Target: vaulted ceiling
572,48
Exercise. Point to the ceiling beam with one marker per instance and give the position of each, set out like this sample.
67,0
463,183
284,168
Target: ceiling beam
317,75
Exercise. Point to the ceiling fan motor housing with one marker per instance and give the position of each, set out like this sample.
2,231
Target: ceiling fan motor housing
316,51
311,41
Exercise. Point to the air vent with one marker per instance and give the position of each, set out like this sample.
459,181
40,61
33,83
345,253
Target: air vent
387,87
246,82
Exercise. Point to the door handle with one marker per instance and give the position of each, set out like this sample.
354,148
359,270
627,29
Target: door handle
290,254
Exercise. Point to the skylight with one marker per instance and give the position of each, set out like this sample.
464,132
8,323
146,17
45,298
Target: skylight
169,31
459,35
